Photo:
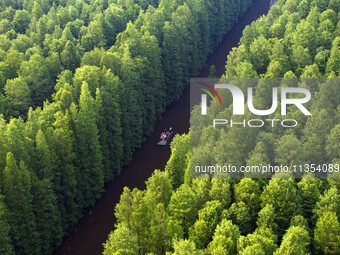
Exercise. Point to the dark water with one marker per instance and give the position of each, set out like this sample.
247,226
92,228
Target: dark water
92,230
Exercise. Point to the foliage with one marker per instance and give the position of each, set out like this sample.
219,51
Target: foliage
287,214
82,84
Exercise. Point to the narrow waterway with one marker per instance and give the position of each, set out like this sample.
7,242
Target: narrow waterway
92,230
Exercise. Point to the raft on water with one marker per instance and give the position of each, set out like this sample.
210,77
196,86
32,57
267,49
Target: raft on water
164,141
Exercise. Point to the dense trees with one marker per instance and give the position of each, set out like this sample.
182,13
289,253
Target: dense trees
16,188
82,84
289,208
289,213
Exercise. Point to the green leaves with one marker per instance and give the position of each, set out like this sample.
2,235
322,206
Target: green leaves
295,241
18,95
16,186
327,233
294,40
281,193
90,177
121,242
183,207
70,57
37,76
5,238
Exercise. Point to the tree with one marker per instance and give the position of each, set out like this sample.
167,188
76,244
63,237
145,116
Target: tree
131,76
159,187
22,43
16,141
295,241
65,172
115,22
178,160
5,238
45,202
282,194
162,231
64,96
90,178
329,201
94,36
18,95
233,148
201,187
333,64
321,60
121,241
299,221
140,222
4,43
110,123
266,218
184,247
70,57
220,245
5,26
171,61
226,235
41,28
240,216
260,51
311,71
13,61
183,207
327,233
248,191
301,57
4,106
290,6
266,245
37,11
37,76
257,157
310,194
315,135
199,233
253,250
54,65
326,33
93,57
16,187
92,75
45,208
332,147
108,172
334,5
303,8
289,151
220,190
208,218
21,21
153,74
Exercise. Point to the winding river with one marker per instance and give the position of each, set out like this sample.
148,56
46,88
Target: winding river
92,230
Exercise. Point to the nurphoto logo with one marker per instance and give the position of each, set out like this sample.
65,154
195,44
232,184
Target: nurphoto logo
289,96
260,128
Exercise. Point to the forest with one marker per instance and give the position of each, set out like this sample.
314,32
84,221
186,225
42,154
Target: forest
82,83
280,214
